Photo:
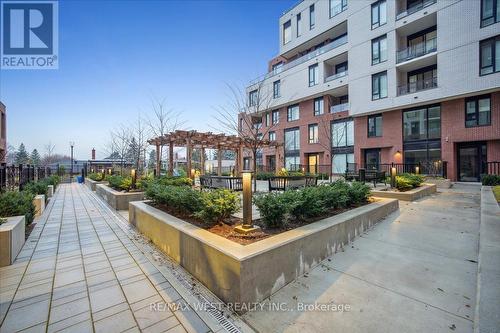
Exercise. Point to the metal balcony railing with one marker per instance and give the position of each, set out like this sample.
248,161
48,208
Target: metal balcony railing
417,50
420,85
313,54
339,107
335,76
414,9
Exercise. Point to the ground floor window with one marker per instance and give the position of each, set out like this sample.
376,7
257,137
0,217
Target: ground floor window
427,153
292,163
339,162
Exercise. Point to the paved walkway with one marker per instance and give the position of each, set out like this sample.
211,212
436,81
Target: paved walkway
414,272
82,271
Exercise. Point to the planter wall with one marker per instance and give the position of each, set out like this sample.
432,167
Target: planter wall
250,273
411,195
11,239
91,184
117,200
39,203
440,183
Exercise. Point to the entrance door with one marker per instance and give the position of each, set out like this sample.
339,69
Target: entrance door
471,161
271,163
312,163
372,159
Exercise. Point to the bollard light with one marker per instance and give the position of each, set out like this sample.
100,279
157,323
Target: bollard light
393,177
193,173
110,171
247,198
133,174
417,170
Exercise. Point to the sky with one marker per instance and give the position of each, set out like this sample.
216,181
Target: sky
116,56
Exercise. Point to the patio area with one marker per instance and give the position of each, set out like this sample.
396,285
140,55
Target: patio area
83,269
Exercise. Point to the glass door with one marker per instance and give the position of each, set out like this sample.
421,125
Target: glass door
471,158
312,163
372,159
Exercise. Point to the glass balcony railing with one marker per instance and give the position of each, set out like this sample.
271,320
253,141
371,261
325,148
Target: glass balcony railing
414,9
419,85
335,76
417,50
313,54
339,108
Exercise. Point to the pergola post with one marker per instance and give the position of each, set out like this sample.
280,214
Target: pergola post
240,159
158,160
237,163
219,161
188,158
202,171
171,159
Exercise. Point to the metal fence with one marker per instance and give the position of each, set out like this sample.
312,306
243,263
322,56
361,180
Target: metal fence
491,168
15,177
430,168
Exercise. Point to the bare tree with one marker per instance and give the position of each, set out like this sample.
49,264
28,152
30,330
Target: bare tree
49,153
243,116
162,121
119,144
140,135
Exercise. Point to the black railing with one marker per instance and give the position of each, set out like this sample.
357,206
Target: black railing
429,168
15,177
491,168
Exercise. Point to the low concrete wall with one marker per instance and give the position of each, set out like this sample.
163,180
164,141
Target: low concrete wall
250,273
440,183
487,315
50,191
411,195
117,200
91,184
11,239
39,203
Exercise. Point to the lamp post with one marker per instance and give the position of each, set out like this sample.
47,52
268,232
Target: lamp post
72,145
247,226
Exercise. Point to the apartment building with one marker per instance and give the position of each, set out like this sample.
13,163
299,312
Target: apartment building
3,133
376,82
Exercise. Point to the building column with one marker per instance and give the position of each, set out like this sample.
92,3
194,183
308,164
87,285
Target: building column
236,163
188,157
158,160
171,159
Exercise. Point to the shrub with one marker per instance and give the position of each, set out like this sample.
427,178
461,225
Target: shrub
272,208
36,188
403,183
358,193
13,203
96,176
54,180
414,179
218,205
178,198
490,180
119,182
264,175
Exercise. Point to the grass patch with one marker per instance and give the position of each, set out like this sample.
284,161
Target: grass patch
496,192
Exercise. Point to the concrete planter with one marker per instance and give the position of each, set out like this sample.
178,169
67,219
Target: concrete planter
93,183
411,195
39,203
250,273
117,200
440,183
50,191
11,239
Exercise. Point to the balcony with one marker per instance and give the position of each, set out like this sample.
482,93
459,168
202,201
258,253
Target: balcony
339,108
416,86
311,55
414,9
335,76
417,50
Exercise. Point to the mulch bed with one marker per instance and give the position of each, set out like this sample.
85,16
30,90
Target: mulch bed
226,229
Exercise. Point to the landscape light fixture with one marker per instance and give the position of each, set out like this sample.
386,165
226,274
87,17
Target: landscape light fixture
393,177
417,170
193,173
133,174
247,226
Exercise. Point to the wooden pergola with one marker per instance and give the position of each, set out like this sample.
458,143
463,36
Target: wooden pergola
199,140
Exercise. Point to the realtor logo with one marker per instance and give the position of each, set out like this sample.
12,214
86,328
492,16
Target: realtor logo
29,35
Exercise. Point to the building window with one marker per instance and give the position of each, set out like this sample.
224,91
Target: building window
268,119
277,68
343,133
318,106
379,85
379,50
313,75
272,136
478,111
276,89
489,56
375,125
292,139
337,7
257,124
313,133
490,12
252,98
293,113
312,18
287,32
422,124
340,161
379,14
275,117
299,24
